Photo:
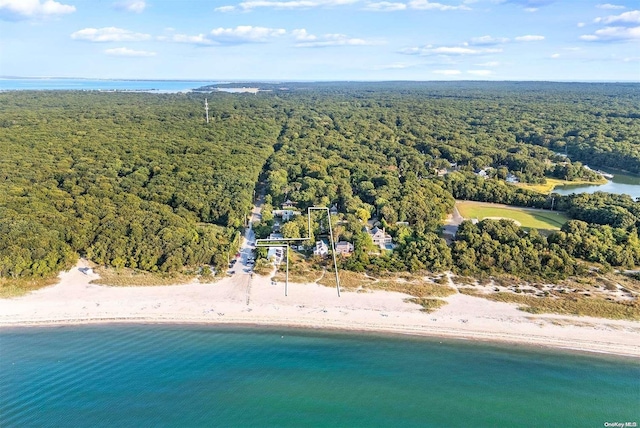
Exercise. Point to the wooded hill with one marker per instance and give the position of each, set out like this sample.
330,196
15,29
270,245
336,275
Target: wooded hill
140,180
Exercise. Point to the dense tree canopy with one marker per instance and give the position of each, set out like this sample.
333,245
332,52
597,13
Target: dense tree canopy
140,180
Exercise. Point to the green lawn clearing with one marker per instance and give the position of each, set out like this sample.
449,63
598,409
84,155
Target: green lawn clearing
525,217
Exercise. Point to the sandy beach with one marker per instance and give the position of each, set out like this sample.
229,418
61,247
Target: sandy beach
257,301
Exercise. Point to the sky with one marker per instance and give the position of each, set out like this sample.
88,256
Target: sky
364,40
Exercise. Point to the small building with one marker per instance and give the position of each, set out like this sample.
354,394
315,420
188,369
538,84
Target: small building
286,215
345,248
484,172
276,236
321,249
288,204
333,210
512,179
381,238
274,254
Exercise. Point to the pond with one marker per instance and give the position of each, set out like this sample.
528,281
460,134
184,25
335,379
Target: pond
619,184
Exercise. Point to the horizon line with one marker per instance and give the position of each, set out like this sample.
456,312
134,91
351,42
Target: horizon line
226,81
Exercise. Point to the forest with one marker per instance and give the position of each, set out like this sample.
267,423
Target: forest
142,181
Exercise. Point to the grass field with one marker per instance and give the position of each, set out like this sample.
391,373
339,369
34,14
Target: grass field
525,217
552,183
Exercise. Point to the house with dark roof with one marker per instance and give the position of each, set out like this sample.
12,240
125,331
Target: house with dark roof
381,238
345,248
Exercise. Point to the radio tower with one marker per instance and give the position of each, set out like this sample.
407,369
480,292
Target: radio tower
206,109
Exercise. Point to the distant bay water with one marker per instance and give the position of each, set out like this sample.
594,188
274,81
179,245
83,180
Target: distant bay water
621,183
160,86
163,375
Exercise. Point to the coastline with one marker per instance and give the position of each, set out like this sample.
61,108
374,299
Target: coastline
75,301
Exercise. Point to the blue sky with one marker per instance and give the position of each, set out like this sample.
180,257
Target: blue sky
568,40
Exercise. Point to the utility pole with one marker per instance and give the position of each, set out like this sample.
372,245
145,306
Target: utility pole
206,109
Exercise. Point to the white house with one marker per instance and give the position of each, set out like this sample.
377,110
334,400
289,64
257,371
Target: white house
321,249
512,178
381,238
275,255
286,214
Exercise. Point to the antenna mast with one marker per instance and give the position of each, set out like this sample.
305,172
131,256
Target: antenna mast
206,109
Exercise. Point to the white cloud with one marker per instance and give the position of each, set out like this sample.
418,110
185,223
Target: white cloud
480,72
609,6
529,38
15,10
527,3
225,9
427,5
555,55
489,64
302,35
109,34
531,9
613,34
128,52
200,39
385,6
307,40
394,66
447,72
581,24
448,50
293,4
631,17
458,50
136,6
229,36
488,40
244,34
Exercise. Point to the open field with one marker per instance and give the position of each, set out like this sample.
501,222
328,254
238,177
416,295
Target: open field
525,217
552,183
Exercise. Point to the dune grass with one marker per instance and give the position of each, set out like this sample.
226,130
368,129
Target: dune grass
125,277
353,281
566,305
19,287
428,305
525,217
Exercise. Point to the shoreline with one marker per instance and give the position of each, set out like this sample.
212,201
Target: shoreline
539,342
76,301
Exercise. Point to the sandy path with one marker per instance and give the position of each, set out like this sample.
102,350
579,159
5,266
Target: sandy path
75,300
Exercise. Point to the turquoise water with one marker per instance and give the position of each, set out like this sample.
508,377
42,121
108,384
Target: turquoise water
104,85
158,375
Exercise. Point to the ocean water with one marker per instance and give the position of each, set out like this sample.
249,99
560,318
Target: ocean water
191,376
160,86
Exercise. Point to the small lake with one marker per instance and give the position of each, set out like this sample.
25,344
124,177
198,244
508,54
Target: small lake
620,184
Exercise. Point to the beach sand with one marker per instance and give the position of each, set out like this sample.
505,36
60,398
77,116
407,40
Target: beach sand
242,300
